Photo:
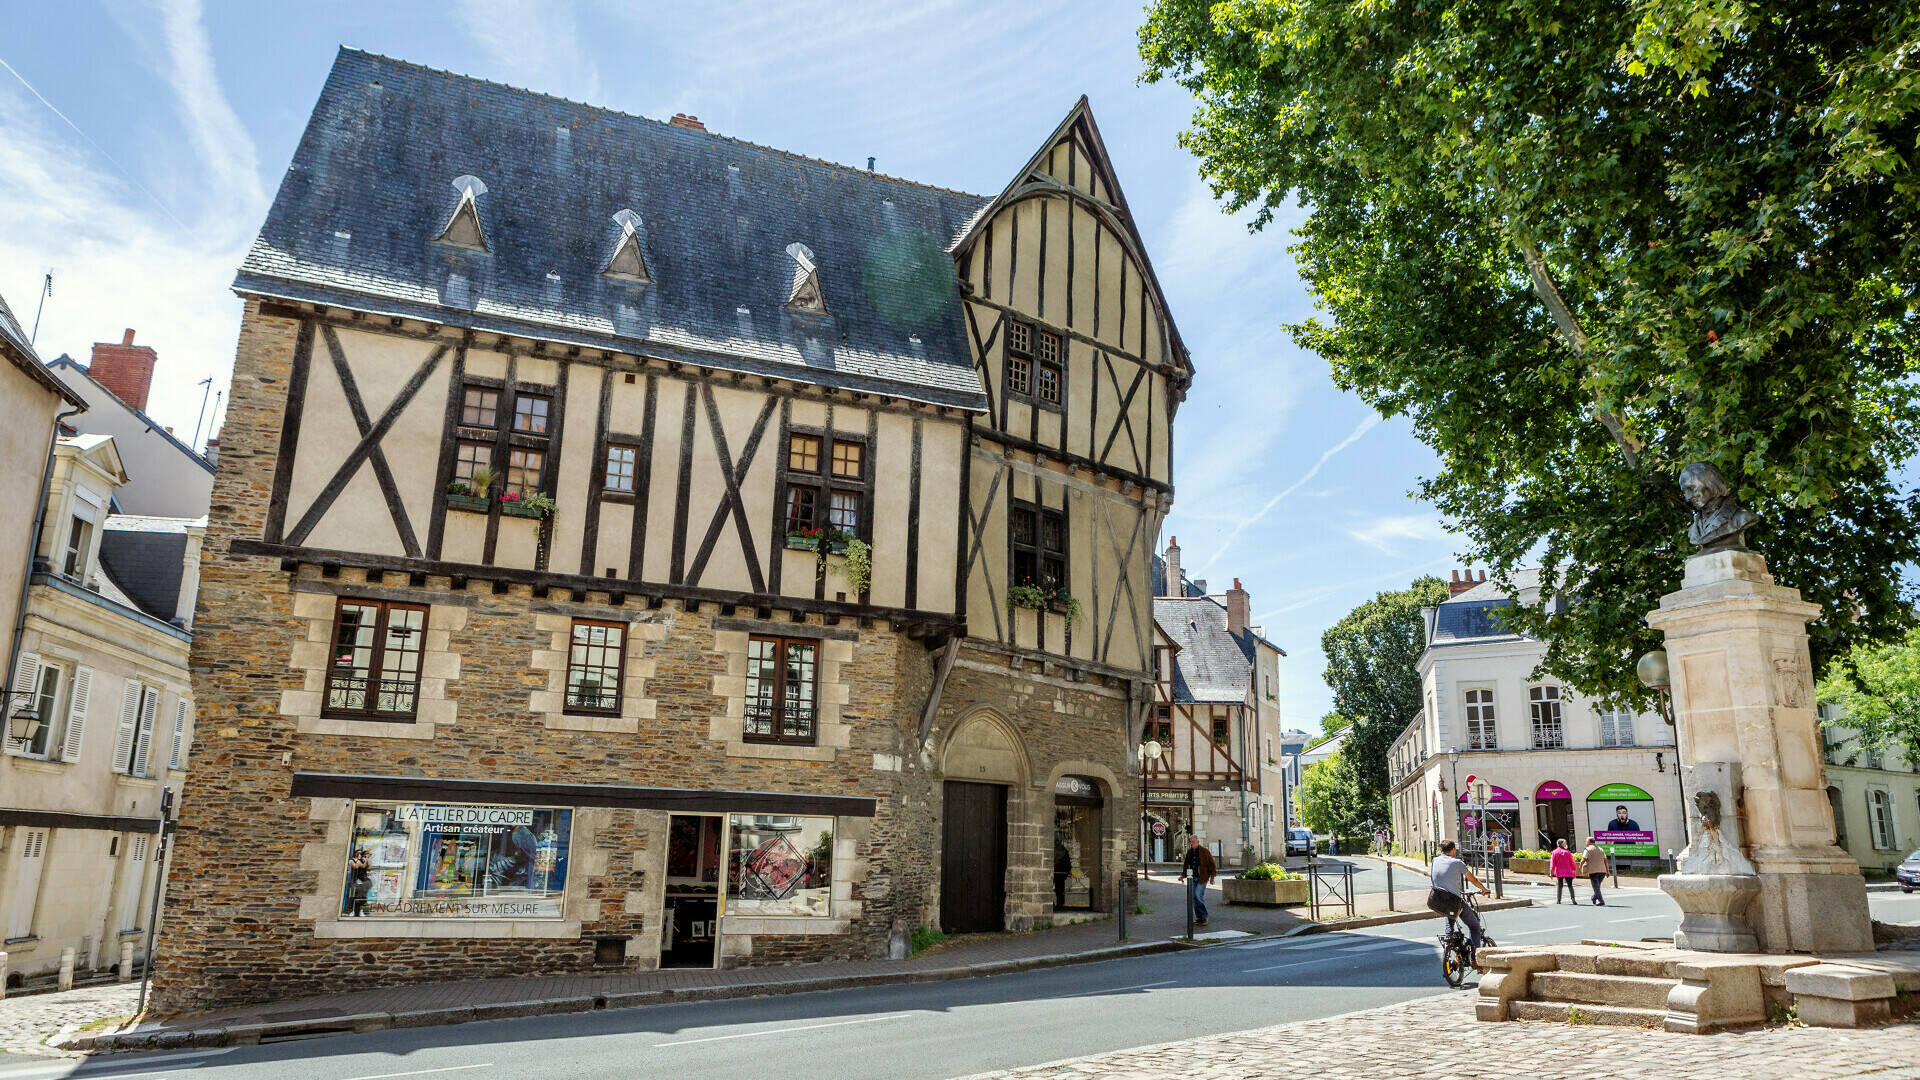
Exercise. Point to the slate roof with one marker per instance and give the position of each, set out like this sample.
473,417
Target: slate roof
370,187
146,558
1187,587
1212,666
68,363
1474,615
20,351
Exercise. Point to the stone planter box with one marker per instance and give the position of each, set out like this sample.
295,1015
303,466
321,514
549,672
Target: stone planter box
1526,866
1266,893
476,503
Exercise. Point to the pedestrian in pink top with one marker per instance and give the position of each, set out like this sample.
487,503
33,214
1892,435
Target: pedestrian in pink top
1565,869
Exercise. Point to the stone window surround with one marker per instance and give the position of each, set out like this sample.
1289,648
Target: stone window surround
850,867
317,603
832,734
549,702
327,859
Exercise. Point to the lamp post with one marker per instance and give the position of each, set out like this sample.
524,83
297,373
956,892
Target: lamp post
1654,675
1453,758
24,724
1148,752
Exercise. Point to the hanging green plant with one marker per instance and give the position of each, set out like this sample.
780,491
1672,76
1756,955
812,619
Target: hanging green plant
856,565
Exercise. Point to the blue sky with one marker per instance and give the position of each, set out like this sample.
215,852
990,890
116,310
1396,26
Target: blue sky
145,139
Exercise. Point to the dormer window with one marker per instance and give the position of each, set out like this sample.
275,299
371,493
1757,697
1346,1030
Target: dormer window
463,227
628,261
79,545
803,292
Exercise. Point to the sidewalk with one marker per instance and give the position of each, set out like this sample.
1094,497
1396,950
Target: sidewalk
1438,1037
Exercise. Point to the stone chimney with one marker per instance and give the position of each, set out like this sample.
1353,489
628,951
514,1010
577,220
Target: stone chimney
126,369
681,119
1173,569
1463,581
1239,609
212,452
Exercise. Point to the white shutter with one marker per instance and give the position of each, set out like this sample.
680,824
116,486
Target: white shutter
129,726
26,681
26,881
77,714
149,705
132,881
179,735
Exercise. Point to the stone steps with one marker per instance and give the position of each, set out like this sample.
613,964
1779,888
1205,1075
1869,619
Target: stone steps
1605,1015
1576,988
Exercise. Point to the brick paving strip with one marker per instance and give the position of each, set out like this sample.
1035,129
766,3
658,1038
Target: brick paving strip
1437,1037
29,1024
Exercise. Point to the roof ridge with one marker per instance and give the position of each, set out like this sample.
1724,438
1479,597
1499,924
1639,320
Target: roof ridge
530,92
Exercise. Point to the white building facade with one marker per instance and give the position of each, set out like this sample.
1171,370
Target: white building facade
1875,799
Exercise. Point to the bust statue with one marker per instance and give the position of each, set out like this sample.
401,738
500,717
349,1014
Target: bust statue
1719,521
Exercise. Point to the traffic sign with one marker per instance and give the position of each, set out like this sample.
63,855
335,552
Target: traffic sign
1159,828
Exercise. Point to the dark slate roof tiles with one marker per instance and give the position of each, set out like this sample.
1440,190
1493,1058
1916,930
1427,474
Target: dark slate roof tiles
1212,666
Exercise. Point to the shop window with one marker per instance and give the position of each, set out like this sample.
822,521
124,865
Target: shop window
620,469
1037,539
782,693
1544,704
480,407
530,413
779,866
1076,843
1481,734
375,670
594,662
456,861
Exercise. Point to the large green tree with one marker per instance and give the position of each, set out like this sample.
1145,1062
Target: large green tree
1582,245
1331,800
1877,689
1370,666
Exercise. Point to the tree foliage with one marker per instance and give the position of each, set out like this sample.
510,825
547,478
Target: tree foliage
1331,800
1877,689
1371,654
1583,245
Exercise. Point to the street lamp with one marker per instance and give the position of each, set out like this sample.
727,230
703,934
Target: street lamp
1655,675
24,724
1148,752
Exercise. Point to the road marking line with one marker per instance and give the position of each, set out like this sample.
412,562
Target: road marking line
782,1031
1548,930
1135,986
1643,918
422,1072
1296,945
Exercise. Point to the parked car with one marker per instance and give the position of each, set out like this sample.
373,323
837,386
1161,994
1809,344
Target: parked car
1299,841
1908,873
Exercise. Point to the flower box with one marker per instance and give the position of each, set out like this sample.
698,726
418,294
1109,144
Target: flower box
475,503
1264,893
1527,866
802,543
836,547
520,509
1058,607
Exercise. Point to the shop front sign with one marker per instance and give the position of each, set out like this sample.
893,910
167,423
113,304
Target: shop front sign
1183,797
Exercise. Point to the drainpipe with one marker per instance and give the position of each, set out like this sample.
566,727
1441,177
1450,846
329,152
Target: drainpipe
33,548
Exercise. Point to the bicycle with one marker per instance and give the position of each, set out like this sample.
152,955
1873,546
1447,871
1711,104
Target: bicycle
1455,958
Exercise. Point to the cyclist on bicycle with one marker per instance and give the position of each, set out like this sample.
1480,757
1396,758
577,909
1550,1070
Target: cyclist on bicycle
1450,880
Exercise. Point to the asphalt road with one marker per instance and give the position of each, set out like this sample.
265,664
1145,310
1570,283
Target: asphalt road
926,1031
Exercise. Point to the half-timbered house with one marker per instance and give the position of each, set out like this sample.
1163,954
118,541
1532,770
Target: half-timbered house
637,547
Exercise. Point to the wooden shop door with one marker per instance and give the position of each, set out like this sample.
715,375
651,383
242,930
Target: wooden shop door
973,858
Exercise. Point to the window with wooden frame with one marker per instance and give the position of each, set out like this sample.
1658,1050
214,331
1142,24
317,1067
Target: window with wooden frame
469,455
505,428
1544,703
782,691
530,413
1034,371
1163,726
1037,538
374,673
480,407
595,660
524,468
1480,725
621,463
1222,730
826,483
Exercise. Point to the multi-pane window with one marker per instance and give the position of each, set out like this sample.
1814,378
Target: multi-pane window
594,662
620,468
470,455
79,541
1019,337
1038,539
833,497
1049,387
480,407
802,507
1480,727
1163,725
1220,730
50,704
375,669
782,694
1544,703
1019,375
843,510
1047,376
803,453
848,458
523,470
1616,728
1880,818
1034,364
530,413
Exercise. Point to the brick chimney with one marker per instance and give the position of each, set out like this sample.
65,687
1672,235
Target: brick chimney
1239,609
1463,581
681,119
1173,569
126,369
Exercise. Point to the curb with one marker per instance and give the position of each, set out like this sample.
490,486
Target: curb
253,1034
1396,917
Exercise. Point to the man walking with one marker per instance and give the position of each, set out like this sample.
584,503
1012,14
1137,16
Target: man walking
1197,871
1594,862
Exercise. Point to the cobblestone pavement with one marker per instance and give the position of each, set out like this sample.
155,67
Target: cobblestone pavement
1437,1038
26,1021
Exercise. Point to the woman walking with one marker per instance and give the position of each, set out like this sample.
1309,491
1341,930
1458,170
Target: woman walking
1562,865
1594,862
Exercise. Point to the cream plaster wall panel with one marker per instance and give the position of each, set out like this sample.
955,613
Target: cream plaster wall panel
1025,249
518,542
726,563
466,537
987,577
892,504
358,519
615,539
23,442
942,447
1058,223
1084,375
327,434
1086,237
529,368
627,411
573,488
486,363
668,413
797,571
382,364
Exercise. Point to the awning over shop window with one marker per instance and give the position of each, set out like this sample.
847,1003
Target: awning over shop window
524,793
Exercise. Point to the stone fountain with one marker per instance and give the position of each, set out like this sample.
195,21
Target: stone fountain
1714,885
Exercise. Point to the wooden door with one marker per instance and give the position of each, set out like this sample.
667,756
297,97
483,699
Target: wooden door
973,858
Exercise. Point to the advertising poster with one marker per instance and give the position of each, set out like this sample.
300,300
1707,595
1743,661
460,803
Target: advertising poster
1620,819
450,861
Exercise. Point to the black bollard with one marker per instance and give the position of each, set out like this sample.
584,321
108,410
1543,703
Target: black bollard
1186,888
1390,906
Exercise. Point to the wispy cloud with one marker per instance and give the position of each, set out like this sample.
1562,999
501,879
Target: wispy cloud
1345,589
534,44
1388,534
1366,424
215,132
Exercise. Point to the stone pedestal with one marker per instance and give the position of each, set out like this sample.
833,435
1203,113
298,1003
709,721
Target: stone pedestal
1743,692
